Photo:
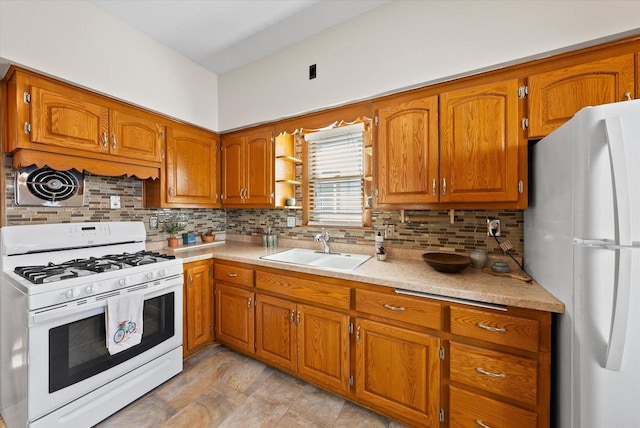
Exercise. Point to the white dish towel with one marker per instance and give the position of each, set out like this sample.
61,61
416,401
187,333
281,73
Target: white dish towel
123,322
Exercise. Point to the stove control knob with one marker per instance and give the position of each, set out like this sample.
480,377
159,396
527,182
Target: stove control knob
162,273
124,281
149,275
89,289
72,293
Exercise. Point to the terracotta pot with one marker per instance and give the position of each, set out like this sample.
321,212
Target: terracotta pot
207,238
173,242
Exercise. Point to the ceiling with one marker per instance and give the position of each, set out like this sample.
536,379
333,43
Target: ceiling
222,35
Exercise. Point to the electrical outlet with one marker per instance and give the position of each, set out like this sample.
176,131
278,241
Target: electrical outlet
493,227
291,221
115,202
153,222
389,231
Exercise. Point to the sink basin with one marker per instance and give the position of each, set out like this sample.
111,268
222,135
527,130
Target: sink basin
305,257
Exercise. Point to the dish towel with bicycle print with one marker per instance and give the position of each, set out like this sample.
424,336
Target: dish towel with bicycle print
123,322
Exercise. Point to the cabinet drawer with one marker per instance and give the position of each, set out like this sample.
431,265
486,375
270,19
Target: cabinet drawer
234,275
412,310
506,375
472,410
305,289
517,332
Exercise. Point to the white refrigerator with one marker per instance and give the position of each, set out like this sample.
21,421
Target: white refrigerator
582,244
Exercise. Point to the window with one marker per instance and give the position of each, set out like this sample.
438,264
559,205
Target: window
335,176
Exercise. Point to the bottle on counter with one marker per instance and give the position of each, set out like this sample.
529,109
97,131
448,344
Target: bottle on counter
379,243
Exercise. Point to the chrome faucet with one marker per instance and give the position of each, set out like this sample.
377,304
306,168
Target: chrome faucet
324,238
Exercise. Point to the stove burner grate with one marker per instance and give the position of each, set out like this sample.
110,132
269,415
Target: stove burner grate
39,274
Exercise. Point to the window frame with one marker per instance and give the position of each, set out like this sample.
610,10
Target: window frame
367,163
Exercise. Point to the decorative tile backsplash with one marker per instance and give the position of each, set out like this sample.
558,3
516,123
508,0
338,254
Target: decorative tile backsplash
429,230
97,191
425,230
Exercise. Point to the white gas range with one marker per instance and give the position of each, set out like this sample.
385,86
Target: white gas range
56,279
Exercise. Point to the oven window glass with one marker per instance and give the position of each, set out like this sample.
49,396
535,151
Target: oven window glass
78,350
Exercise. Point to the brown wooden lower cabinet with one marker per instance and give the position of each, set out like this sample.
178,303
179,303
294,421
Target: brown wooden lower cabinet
311,341
198,305
398,371
235,317
423,362
473,410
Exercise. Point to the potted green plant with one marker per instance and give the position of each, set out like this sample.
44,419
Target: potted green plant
172,227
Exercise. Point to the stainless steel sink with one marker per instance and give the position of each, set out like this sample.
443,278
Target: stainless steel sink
333,261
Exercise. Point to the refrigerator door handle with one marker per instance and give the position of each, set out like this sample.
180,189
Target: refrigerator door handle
620,311
620,176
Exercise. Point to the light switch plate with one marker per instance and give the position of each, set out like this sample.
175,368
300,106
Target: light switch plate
115,202
291,221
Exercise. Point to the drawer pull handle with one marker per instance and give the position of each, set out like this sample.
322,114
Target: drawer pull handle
232,275
293,315
482,424
488,327
484,372
393,308
249,303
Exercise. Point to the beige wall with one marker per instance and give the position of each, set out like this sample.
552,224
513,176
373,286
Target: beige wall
408,43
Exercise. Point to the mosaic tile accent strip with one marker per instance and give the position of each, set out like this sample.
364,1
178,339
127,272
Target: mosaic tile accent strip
431,231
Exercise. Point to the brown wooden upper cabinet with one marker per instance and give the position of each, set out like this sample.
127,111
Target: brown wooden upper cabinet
247,169
555,96
462,151
407,150
479,128
191,173
56,117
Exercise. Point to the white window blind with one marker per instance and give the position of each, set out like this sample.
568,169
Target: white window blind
336,176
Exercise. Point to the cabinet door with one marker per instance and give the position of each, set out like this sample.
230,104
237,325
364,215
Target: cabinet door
192,168
136,136
276,331
259,169
62,120
235,317
323,347
407,152
398,371
555,96
233,170
479,143
198,277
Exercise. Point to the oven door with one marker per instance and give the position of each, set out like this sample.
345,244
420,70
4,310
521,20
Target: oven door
68,357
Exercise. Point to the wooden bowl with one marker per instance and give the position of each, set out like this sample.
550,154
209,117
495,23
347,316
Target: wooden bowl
447,262
208,238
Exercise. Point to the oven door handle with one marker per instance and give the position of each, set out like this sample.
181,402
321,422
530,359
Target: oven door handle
64,311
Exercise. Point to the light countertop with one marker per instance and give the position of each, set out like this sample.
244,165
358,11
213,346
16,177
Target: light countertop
398,271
